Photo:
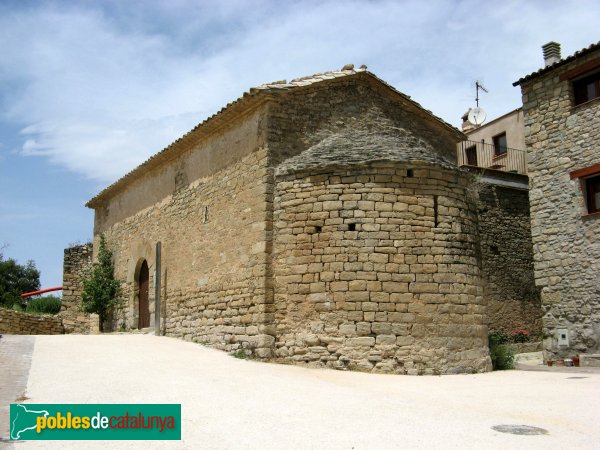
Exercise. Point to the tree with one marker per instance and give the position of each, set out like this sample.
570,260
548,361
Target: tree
16,279
101,290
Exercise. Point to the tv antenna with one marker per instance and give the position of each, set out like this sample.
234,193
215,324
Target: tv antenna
477,115
478,86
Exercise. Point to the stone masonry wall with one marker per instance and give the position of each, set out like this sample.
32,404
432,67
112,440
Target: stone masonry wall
513,301
376,269
76,266
14,322
562,138
213,234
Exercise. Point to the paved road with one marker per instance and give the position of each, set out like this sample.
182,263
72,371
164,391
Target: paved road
231,403
15,360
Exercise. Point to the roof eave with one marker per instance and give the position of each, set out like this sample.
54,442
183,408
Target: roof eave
568,59
250,101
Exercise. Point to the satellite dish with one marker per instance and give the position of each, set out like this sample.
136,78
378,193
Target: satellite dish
476,116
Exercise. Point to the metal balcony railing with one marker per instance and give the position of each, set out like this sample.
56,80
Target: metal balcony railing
488,156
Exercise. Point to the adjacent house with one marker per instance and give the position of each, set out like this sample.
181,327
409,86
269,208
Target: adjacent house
498,144
561,111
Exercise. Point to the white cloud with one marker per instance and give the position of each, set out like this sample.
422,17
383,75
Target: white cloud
98,89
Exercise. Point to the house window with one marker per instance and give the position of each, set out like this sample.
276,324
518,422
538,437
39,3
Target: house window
589,179
592,189
586,89
500,147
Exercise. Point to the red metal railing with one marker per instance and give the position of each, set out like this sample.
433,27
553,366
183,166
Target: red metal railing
42,291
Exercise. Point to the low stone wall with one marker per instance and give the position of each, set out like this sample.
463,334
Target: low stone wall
526,347
14,322
80,322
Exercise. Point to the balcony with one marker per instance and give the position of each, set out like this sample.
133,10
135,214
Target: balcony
488,156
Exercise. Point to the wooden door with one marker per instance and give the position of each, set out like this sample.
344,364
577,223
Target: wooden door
144,306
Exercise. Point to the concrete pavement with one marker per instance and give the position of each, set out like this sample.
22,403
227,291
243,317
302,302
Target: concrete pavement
231,403
15,360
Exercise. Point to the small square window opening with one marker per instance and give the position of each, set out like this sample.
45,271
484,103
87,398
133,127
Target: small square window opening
500,147
587,88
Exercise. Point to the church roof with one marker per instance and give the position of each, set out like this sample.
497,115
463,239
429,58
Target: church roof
358,144
253,97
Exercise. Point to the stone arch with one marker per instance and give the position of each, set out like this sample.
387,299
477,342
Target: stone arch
142,268
140,251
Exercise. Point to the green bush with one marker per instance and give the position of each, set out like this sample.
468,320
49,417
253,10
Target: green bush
239,354
497,337
101,290
503,357
44,305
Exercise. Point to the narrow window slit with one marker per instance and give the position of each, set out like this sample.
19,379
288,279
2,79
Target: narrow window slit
435,210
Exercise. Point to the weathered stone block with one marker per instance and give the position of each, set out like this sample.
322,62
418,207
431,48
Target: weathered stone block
348,329
364,341
394,287
381,328
424,287
386,339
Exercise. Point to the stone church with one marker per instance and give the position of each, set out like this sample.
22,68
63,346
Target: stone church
322,220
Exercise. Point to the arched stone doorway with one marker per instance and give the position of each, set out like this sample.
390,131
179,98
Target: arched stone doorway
143,300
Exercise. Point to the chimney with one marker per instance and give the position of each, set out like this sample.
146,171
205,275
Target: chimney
551,53
466,125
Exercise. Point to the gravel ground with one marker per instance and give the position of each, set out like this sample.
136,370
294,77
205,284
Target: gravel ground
231,403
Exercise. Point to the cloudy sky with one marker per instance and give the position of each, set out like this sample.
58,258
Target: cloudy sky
90,89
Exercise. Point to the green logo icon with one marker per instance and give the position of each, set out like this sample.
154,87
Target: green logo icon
95,422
